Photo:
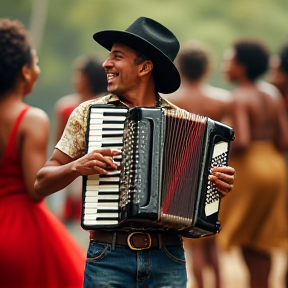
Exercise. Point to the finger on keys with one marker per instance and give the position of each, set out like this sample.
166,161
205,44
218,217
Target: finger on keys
116,152
223,169
224,186
110,151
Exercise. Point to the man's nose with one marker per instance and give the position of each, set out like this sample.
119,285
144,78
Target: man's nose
107,63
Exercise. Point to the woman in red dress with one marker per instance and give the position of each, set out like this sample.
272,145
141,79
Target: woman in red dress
36,250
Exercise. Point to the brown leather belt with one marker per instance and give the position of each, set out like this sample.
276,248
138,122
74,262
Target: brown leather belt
136,240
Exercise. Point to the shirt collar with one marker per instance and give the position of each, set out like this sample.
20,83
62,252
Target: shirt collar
163,103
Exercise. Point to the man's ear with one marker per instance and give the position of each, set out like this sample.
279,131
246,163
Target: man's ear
146,67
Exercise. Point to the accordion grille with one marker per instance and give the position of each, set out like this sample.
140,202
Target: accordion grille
182,156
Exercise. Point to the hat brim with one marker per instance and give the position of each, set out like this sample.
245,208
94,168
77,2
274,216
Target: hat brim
167,78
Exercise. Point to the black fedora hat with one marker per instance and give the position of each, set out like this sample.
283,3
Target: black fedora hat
155,41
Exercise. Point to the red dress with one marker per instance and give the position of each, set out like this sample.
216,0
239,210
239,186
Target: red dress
36,249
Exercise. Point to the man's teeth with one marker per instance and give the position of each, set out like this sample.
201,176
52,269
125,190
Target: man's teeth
110,76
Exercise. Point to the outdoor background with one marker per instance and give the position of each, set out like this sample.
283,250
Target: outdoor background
62,30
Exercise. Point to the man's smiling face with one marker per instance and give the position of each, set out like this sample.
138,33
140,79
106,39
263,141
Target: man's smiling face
121,70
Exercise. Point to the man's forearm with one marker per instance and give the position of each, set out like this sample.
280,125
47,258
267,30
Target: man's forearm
51,179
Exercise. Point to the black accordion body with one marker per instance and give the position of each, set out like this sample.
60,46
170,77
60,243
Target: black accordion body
166,160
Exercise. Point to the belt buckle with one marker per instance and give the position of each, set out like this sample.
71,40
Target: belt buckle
147,241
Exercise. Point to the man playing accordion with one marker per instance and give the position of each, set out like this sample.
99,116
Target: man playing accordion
139,67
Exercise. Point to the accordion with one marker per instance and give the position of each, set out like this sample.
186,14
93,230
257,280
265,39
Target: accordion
166,159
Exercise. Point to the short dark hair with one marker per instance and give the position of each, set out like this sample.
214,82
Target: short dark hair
283,55
140,57
15,52
193,60
91,67
254,55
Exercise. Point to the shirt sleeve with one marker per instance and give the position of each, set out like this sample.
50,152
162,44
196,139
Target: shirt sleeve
72,141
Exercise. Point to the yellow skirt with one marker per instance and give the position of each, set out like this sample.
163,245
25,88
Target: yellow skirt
254,214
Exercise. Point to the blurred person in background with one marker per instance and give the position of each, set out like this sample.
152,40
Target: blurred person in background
254,218
89,81
279,77
196,95
36,250
279,72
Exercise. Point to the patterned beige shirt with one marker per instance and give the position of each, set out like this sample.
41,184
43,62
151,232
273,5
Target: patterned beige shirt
72,141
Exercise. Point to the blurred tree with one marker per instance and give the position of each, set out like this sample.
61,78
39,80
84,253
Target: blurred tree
63,29
37,21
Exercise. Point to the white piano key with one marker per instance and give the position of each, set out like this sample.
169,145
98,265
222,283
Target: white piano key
94,191
99,131
116,172
117,118
104,143
103,206
104,188
88,210
101,215
109,188
97,122
117,157
108,110
96,114
97,147
113,126
100,222
96,198
93,146
99,138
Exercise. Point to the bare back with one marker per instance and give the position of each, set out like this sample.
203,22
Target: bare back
203,100
8,116
257,116
31,138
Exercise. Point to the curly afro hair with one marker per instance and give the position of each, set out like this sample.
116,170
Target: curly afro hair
193,60
91,67
253,55
15,51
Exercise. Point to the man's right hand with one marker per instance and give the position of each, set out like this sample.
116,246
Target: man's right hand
98,161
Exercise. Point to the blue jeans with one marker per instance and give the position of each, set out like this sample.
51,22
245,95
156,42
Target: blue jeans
121,267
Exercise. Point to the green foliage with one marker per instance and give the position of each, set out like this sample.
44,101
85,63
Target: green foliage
70,25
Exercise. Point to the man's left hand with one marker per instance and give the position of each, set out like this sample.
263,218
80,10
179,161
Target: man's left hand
223,177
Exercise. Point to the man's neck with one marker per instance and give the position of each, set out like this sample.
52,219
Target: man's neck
139,102
147,98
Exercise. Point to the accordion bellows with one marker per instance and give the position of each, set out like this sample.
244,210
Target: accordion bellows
165,163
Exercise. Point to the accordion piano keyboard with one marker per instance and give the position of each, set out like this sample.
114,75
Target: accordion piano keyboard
102,191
